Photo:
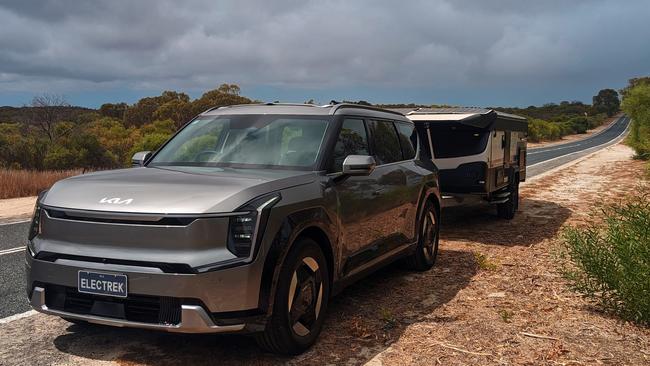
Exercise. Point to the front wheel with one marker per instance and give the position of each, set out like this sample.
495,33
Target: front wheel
300,301
427,248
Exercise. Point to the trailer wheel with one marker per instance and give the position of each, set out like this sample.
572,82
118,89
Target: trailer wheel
508,209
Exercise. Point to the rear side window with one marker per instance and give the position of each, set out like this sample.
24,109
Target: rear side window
407,139
352,140
386,142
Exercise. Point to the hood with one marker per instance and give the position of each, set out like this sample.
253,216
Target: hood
170,190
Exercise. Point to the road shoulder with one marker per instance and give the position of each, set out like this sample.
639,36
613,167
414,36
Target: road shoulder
16,209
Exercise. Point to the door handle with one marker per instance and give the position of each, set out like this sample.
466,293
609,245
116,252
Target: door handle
378,192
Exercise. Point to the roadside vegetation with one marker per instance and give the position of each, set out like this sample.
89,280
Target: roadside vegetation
553,121
636,104
609,261
51,135
24,183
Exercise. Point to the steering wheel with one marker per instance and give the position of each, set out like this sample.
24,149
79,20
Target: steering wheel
198,156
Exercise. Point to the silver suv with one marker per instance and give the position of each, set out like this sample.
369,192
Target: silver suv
247,220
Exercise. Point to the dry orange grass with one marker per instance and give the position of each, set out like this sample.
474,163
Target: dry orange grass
24,183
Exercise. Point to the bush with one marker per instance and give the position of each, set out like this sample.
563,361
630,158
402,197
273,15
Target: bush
609,261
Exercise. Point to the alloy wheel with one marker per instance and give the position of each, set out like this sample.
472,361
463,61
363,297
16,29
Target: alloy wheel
305,296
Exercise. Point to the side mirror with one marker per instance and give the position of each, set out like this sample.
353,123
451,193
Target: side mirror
358,165
139,158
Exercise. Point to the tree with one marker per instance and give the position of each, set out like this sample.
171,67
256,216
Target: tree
636,105
224,95
143,111
113,110
607,102
47,111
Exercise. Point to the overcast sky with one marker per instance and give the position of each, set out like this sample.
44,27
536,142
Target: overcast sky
461,52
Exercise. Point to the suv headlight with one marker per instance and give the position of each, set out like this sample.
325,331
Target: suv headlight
245,230
35,227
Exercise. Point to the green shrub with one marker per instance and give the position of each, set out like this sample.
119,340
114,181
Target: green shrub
609,261
579,124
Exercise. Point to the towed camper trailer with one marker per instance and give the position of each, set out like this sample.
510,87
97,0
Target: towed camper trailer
480,154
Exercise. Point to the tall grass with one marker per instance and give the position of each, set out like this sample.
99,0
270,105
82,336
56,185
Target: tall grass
23,183
609,261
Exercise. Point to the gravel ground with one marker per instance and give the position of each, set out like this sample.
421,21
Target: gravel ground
494,297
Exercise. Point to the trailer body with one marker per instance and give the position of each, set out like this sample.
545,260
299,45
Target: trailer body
480,153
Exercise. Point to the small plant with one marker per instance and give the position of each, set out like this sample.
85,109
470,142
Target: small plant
506,315
609,261
388,318
484,262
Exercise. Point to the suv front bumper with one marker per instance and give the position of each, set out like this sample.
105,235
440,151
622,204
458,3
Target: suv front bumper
206,302
194,319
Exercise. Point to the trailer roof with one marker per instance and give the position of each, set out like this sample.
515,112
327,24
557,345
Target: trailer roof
477,117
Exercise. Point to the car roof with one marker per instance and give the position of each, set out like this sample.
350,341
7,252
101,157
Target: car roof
307,109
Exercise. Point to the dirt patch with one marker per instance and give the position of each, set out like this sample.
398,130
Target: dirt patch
16,209
576,137
494,297
517,309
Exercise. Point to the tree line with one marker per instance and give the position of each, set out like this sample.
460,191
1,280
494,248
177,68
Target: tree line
50,134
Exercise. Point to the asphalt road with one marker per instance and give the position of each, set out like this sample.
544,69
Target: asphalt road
543,154
12,293
12,269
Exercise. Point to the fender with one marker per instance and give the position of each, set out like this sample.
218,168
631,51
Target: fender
291,227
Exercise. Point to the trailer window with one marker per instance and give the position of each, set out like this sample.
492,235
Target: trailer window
454,140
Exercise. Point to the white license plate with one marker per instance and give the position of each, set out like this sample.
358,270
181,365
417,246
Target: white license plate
106,284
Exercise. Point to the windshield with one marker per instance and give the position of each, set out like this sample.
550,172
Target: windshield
246,141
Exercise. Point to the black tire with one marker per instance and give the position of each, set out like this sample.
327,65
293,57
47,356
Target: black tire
295,324
507,210
426,251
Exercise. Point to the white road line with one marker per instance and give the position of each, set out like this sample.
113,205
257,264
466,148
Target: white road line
15,222
582,151
26,314
12,250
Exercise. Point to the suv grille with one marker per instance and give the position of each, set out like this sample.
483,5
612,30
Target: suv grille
135,308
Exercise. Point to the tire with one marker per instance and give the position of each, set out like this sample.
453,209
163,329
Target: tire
507,210
295,324
426,251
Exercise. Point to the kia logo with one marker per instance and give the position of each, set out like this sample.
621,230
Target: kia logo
116,201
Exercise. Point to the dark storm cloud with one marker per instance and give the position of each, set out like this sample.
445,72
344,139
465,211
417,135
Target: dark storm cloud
521,50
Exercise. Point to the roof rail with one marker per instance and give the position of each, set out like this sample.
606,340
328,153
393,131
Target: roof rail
265,104
352,105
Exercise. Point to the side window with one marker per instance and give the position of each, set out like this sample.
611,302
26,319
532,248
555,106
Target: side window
386,142
407,139
352,140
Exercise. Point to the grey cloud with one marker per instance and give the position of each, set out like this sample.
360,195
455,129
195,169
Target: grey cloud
334,45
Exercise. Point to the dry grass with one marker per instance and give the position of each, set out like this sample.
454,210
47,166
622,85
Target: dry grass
24,183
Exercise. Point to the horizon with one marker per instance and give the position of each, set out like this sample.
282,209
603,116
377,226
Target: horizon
505,53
